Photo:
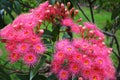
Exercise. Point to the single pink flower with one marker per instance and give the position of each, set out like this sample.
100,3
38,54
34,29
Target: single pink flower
63,75
74,68
23,47
30,58
67,22
60,55
90,25
39,48
61,44
14,56
69,49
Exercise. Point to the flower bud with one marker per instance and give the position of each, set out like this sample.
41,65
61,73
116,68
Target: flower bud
76,12
68,5
79,20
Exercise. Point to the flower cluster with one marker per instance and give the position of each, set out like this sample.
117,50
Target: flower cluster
23,40
87,57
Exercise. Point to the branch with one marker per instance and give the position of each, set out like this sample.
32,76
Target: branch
116,41
91,10
83,12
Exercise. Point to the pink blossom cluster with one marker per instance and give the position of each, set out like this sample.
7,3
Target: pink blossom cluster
22,39
88,57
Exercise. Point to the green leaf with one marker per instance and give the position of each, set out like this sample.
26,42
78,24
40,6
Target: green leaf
52,2
26,77
17,7
52,77
35,70
115,13
4,75
75,78
23,76
47,34
55,33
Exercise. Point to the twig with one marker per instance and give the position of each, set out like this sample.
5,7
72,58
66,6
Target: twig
116,41
91,10
83,12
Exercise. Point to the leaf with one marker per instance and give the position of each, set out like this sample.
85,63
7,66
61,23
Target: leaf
4,75
52,2
26,77
23,76
52,77
75,78
17,7
115,13
55,33
47,34
35,70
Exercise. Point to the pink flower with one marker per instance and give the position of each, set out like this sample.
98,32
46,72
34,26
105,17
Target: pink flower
23,47
67,22
99,34
60,55
40,11
34,39
61,44
69,49
30,58
86,62
7,32
56,66
63,75
39,48
90,25
75,28
14,56
77,43
100,61
74,68
86,72
94,76
11,46
77,57
23,21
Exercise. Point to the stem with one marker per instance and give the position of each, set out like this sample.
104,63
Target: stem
30,73
83,12
91,10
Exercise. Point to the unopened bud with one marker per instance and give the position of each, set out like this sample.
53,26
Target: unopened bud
72,10
41,31
47,11
49,6
103,43
68,5
21,24
80,78
67,13
62,5
14,26
40,21
76,12
79,20
58,4
84,55
91,31
83,28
